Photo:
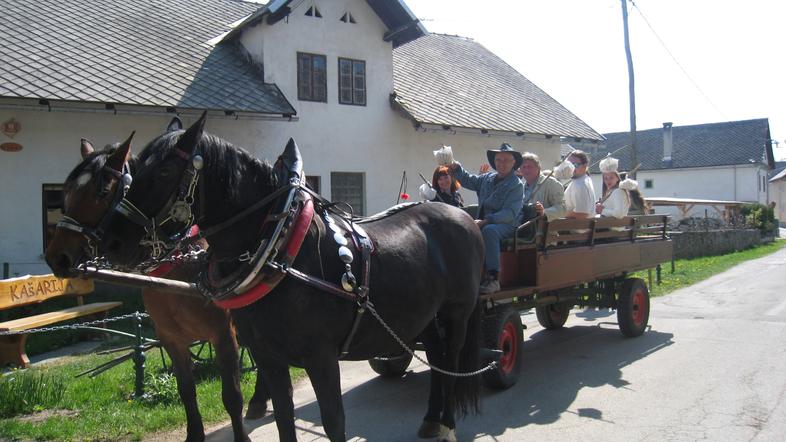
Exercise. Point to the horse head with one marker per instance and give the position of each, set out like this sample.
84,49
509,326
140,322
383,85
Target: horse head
90,191
152,212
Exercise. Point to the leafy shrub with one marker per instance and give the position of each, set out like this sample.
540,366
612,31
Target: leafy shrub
759,216
161,388
23,392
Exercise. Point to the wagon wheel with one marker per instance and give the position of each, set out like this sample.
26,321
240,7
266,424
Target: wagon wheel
503,331
633,307
198,347
553,316
394,367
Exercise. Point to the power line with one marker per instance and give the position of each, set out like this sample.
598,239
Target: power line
685,72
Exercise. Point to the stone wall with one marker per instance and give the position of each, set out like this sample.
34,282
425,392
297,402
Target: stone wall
713,242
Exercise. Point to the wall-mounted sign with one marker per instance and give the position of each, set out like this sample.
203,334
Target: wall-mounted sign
11,128
11,147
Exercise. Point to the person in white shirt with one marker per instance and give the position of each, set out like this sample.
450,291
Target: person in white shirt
618,194
580,194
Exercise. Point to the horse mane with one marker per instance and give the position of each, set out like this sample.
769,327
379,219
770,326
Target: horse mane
222,159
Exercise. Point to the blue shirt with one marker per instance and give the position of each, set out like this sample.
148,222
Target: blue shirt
499,201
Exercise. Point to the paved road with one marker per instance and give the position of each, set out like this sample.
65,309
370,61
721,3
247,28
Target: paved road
713,366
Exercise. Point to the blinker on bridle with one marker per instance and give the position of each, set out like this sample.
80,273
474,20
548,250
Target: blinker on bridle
178,208
94,234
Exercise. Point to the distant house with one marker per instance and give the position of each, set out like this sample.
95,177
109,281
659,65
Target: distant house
778,191
361,86
716,161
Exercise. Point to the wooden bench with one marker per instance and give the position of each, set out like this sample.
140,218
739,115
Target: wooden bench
27,290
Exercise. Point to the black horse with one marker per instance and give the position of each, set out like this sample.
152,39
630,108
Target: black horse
90,191
424,279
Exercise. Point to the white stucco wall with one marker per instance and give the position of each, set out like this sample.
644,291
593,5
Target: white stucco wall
734,183
778,195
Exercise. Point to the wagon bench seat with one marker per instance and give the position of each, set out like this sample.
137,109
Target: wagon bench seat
29,290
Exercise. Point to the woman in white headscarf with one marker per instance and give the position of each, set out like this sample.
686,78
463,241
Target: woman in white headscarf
617,193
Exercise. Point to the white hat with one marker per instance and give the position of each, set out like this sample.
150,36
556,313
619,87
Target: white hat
609,164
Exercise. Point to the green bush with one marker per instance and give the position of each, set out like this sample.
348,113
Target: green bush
23,392
759,216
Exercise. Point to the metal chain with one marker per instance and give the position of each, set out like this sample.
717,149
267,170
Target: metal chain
73,326
490,366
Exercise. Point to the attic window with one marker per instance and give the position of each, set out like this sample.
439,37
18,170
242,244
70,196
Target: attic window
348,18
312,11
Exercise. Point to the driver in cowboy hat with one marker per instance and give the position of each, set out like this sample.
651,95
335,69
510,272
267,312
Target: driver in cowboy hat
500,195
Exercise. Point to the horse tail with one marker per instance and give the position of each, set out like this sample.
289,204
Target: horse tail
467,389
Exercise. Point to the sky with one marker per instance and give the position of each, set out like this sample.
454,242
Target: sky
694,61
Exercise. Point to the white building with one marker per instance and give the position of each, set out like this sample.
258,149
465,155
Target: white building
718,161
361,86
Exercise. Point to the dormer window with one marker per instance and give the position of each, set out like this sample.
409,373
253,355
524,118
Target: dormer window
312,11
348,18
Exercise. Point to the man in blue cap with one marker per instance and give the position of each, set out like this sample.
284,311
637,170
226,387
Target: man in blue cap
500,196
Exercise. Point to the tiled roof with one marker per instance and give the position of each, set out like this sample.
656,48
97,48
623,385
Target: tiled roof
455,81
702,145
780,166
142,52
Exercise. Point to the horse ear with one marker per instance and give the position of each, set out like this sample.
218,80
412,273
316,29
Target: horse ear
193,135
121,155
86,148
174,125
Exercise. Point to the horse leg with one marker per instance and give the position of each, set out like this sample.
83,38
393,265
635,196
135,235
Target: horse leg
257,406
229,369
181,365
326,380
430,427
455,336
276,377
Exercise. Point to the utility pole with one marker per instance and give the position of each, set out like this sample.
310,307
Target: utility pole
631,90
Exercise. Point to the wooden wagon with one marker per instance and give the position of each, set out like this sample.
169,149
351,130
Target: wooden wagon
555,266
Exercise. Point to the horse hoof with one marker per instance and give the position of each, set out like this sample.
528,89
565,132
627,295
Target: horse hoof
256,410
447,434
429,430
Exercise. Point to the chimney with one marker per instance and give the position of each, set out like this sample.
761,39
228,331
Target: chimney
668,145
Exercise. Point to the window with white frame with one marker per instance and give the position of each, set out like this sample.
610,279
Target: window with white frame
648,184
349,187
351,81
314,182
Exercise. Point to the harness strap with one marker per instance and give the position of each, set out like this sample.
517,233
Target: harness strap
362,296
266,285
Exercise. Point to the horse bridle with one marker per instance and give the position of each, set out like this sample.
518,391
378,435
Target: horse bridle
178,208
94,234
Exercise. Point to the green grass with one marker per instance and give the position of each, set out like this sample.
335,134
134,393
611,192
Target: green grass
102,409
691,271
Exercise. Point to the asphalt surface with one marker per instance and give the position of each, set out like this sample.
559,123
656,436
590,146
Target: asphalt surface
712,366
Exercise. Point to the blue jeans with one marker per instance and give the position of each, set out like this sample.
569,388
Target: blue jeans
493,234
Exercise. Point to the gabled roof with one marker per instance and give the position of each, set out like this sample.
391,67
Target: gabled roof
454,81
702,145
402,24
140,52
780,166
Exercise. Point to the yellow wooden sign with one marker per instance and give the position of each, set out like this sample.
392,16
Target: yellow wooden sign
36,288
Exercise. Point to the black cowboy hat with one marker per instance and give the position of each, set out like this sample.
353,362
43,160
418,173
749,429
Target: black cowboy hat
505,147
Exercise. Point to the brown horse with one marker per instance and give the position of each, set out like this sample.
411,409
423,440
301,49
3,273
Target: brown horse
179,320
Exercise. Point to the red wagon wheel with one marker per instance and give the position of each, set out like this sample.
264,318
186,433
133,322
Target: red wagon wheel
633,307
503,331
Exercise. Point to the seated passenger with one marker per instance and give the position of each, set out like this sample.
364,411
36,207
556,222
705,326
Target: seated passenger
617,194
546,194
580,194
444,188
500,196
